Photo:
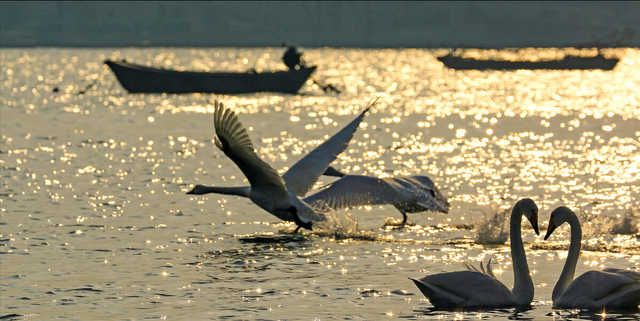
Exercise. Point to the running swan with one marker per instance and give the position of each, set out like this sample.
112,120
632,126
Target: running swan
412,194
273,193
610,288
476,289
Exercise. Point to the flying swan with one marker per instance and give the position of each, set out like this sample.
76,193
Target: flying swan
412,194
609,288
476,289
271,192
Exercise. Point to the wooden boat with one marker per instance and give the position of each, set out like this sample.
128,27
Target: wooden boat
569,62
142,79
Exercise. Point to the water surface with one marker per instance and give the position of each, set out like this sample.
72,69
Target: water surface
95,223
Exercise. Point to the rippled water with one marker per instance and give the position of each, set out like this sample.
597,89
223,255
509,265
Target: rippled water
95,223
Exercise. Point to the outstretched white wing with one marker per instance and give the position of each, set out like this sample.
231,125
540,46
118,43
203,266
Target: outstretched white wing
358,190
232,138
303,175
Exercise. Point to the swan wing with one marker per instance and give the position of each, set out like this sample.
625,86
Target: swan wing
471,267
627,296
356,190
488,270
359,190
597,289
465,289
627,273
303,175
440,298
233,139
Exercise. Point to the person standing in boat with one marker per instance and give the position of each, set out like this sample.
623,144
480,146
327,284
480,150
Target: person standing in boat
291,57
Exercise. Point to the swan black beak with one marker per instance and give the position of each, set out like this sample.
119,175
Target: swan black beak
534,223
550,229
191,191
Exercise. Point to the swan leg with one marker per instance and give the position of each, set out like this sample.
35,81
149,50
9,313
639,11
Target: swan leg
394,223
404,218
297,230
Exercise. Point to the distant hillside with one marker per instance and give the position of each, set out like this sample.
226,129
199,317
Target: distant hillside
314,23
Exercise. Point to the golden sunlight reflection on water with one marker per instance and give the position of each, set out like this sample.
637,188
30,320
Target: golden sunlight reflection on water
94,210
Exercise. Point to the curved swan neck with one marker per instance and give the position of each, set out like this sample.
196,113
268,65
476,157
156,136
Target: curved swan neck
523,284
569,269
238,191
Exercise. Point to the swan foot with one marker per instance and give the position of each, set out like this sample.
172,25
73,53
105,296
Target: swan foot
393,224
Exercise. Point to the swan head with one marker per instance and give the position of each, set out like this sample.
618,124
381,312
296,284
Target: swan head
529,209
197,190
558,217
433,200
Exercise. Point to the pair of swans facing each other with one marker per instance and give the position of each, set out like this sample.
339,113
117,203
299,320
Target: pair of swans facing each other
281,195
610,288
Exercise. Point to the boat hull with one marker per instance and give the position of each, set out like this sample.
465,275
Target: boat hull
141,79
568,63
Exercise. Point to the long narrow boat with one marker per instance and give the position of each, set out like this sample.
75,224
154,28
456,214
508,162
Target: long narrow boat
142,79
568,63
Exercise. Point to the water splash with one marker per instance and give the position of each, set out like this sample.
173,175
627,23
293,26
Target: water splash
629,223
493,228
342,226
336,225
595,224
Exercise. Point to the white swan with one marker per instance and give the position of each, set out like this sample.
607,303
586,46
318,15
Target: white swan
277,195
411,194
476,289
610,288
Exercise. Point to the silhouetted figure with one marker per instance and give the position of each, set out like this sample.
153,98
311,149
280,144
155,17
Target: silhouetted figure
291,57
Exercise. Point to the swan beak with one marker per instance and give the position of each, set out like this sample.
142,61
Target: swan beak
534,223
550,229
191,191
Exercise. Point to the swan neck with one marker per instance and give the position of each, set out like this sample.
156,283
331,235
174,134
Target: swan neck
569,269
523,284
238,191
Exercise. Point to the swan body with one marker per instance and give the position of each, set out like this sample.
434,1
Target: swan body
271,192
609,288
476,289
411,194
